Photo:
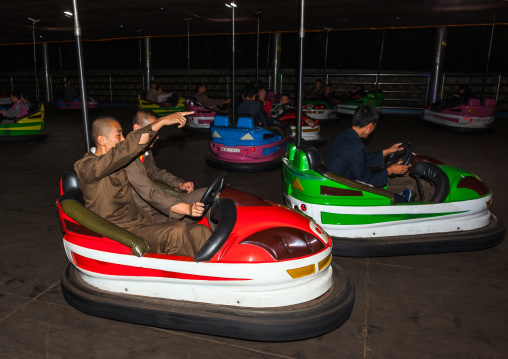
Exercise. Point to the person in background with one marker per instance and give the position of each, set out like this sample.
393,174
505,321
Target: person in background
249,106
203,99
166,99
353,94
69,91
18,108
27,103
281,107
267,104
152,94
464,94
329,95
358,92
315,92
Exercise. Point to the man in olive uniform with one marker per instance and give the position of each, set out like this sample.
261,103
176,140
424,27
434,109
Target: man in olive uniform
108,193
142,174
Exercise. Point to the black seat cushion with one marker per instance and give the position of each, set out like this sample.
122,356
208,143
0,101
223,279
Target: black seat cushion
69,181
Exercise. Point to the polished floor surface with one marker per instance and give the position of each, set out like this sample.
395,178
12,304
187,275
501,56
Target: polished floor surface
425,306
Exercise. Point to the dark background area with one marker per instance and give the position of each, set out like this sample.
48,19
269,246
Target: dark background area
404,50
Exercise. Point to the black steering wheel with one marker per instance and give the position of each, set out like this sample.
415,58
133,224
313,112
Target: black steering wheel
213,190
404,154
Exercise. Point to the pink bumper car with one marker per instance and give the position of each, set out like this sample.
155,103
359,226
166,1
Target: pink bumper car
472,117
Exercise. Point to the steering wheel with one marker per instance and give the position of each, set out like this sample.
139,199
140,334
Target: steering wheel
404,154
213,190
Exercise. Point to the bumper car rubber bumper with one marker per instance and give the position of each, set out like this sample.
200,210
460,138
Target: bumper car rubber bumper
295,322
482,238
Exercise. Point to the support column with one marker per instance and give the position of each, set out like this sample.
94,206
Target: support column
148,63
81,73
276,51
437,70
45,57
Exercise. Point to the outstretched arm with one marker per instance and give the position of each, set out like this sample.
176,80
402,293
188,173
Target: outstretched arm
177,118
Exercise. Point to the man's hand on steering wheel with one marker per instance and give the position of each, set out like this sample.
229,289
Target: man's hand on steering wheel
392,149
397,169
402,155
197,209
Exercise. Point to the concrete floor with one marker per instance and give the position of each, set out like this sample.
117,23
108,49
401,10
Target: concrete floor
429,306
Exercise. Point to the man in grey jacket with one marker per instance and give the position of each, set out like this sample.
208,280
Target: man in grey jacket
203,99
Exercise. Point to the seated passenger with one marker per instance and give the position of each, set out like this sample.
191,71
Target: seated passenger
462,97
142,174
329,96
282,107
261,97
166,99
315,92
27,103
249,106
153,93
352,94
203,99
348,157
69,91
107,191
357,93
18,108
464,94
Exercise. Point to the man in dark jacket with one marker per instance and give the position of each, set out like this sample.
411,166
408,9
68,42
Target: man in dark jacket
249,106
348,157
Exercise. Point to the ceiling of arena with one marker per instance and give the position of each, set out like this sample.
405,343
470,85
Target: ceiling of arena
111,19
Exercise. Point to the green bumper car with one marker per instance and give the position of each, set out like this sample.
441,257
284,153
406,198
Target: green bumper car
348,108
161,110
451,212
320,110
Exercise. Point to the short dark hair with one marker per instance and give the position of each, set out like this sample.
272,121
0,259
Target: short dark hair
142,117
318,80
100,127
364,115
199,85
284,94
249,91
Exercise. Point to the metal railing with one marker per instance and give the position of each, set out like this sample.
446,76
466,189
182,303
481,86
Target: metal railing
401,90
407,91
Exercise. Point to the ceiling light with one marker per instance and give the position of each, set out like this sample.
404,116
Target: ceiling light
68,13
230,5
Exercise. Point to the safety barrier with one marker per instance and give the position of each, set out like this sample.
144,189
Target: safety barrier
402,90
